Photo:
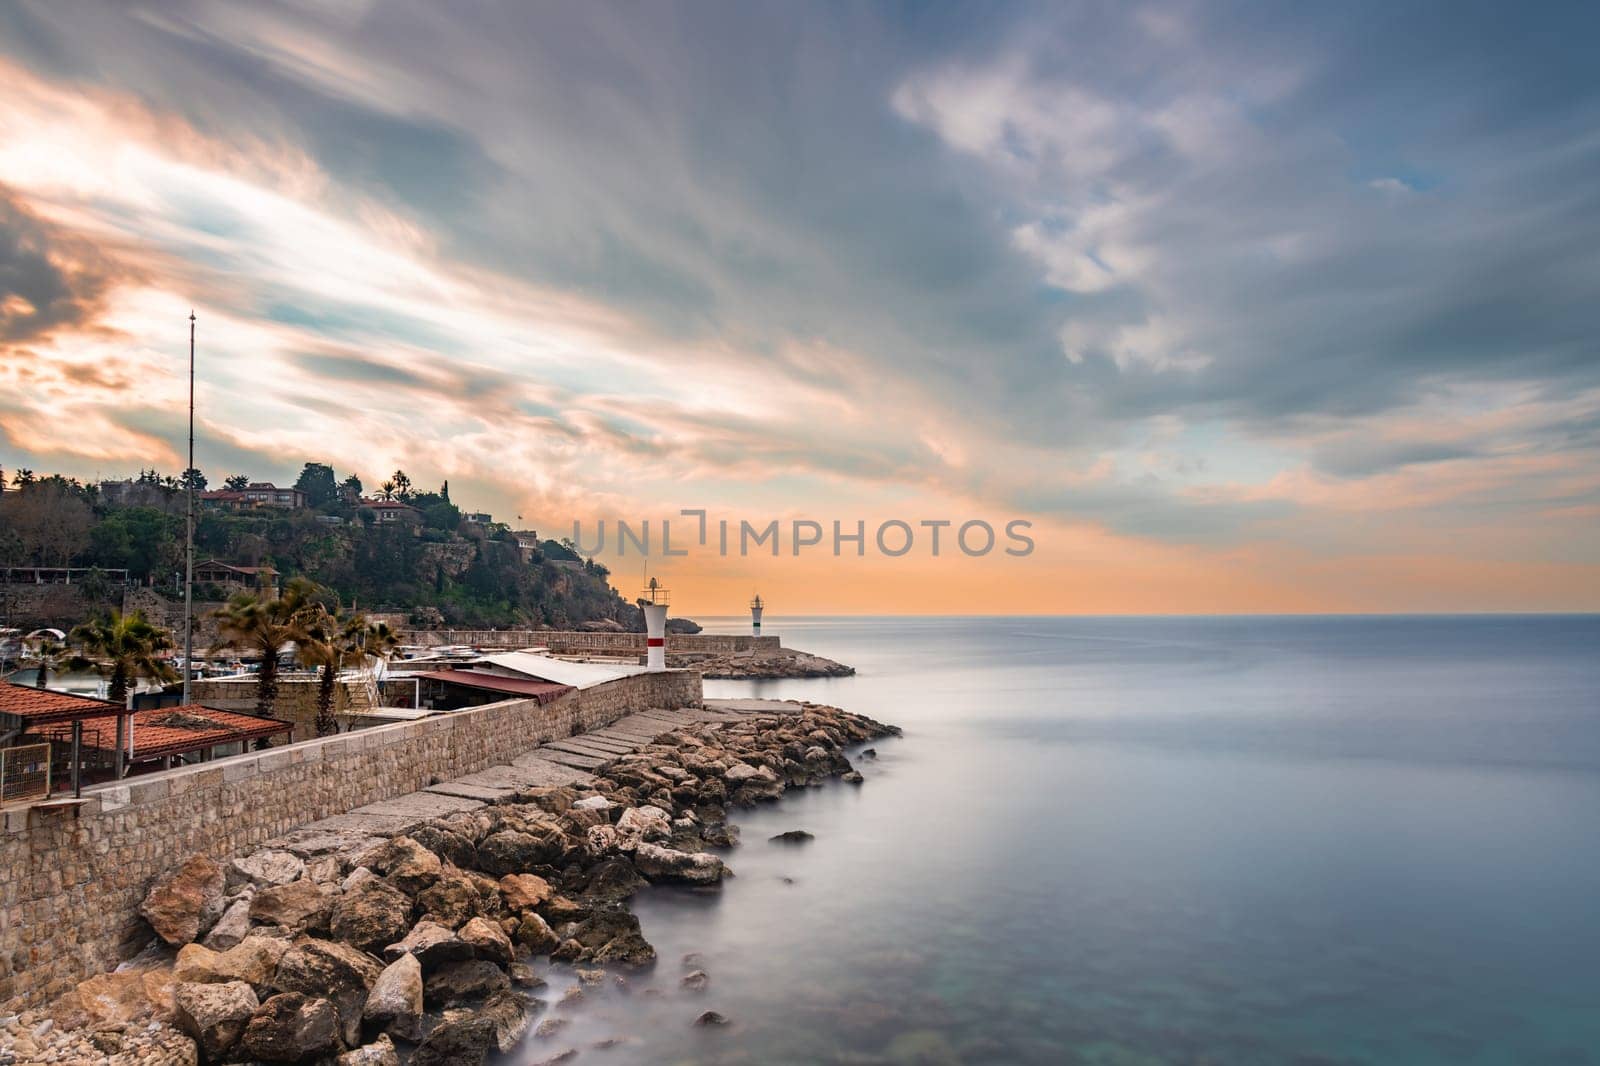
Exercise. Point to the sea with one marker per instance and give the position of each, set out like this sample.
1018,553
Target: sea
1141,841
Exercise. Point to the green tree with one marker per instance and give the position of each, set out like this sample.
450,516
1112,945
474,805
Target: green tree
194,478
351,488
262,625
124,646
318,483
402,484
237,482
46,657
333,641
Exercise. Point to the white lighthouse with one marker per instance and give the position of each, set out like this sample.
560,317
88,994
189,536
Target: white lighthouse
654,604
756,607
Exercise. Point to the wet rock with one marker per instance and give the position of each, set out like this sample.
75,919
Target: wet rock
720,835
639,824
550,1027
696,981
523,975
710,1017
456,983
611,881
265,868
869,753
559,909
463,1040
291,1027
214,1014
371,916
381,1052
614,936
433,945
292,906
536,933
509,1013
792,836
852,778
395,1002
187,902
524,891
664,864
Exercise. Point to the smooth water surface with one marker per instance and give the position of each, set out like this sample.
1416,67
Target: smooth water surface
1140,841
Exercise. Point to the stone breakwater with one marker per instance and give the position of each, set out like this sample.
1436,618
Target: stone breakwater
429,940
786,663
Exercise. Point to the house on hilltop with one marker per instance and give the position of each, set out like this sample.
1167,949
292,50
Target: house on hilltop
392,512
255,494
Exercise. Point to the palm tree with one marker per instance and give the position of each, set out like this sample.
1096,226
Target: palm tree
402,484
129,648
387,490
263,624
334,640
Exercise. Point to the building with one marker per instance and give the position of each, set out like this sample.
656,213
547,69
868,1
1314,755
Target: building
392,512
255,494
478,518
231,579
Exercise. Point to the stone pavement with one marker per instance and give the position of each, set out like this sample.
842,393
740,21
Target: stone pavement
559,762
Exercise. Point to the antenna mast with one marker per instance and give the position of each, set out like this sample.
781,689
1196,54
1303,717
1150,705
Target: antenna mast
188,538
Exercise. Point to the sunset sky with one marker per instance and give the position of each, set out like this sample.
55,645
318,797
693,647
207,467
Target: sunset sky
1245,308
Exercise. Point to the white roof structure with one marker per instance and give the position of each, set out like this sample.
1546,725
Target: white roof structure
561,671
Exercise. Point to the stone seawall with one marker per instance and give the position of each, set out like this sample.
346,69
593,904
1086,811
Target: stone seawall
72,878
571,642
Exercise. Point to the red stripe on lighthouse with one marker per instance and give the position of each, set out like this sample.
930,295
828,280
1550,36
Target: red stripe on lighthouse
655,642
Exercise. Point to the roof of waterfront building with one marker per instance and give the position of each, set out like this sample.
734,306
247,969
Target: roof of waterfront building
159,731
543,691
561,671
40,705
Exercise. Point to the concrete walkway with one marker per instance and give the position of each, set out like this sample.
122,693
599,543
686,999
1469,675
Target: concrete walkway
560,762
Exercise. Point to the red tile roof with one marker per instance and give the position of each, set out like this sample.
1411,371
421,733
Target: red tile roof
159,731
543,691
41,705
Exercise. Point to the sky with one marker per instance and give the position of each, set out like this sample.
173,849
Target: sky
1241,307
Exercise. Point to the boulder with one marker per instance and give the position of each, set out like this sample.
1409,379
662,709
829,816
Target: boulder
395,1002
215,1015
461,1040
509,1012
373,915
291,1027
611,881
265,868
356,878
488,941
451,846
711,1017
335,971
593,803
665,864
254,960
523,892
456,983
614,936
433,945
187,902
449,901
696,980
292,906
231,927
536,934
639,824
792,836
512,851
408,865
381,1052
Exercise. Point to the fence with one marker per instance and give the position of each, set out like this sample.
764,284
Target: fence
24,773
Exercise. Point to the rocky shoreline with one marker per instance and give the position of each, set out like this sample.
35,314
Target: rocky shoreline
785,663
428,941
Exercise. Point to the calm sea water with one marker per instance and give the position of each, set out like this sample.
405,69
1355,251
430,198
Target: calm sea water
1142,841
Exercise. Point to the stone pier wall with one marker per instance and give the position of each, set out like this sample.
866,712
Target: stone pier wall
572,642
72,878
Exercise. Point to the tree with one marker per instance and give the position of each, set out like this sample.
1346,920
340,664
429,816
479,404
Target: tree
402,484
318,483
193,478
46,656
351,488
387,489
333,641
130,647
237,482
262,625
24,478
51,519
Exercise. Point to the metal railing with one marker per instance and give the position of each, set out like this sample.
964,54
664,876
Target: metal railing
24,773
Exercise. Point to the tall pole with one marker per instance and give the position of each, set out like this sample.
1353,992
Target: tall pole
188,537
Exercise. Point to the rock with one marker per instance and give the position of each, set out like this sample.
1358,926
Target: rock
524,891
711,1017
488,941
456,983
408,865
265,868
453,847
642,823
292,906
374,914
214,1014
187,902
254,960
601,839
593,803
792,836
720,835
869,753
433,945
696,981
614,936
568,951
231,927
509,1013
740,772
463,1040
852,778
381,1052
450,901
323,870
332,970
291,1027
356,878
395,1002
536,933
558,909
611,881
664,864
511,851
